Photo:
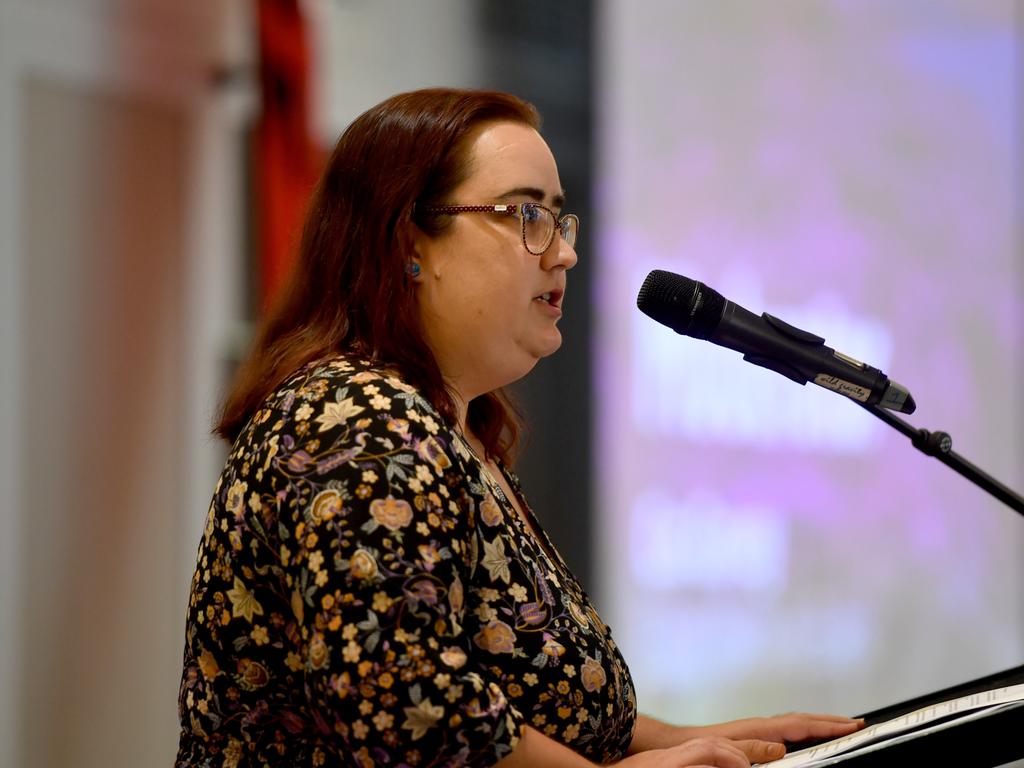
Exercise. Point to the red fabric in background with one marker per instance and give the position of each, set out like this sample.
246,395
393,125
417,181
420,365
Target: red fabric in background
286,158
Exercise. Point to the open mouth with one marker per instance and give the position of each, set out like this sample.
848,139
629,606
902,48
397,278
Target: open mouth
553,298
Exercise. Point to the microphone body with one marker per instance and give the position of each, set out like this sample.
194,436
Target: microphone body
692,309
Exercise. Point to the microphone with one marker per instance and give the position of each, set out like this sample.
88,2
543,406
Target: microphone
692,309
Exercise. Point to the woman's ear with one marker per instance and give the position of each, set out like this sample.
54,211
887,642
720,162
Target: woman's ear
424,251
413,243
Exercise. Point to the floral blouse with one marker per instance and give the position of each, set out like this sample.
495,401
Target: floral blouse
365,594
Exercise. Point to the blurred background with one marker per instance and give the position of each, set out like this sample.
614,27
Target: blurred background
756,546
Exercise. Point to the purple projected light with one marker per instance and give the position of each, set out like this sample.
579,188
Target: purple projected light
768,546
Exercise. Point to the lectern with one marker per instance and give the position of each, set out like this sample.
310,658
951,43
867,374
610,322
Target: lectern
990,740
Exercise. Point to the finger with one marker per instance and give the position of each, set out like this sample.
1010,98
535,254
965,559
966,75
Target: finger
759,751
827,718
815,729
801,726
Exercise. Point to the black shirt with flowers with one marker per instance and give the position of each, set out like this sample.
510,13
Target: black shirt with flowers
366,595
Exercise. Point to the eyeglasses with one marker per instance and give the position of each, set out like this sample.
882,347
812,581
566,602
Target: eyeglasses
538,223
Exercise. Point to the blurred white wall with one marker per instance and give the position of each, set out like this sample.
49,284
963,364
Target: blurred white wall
366,51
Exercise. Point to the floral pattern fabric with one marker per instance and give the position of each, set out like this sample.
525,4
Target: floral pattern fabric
365,594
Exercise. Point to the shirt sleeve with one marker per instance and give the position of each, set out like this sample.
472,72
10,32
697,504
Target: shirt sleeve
378,553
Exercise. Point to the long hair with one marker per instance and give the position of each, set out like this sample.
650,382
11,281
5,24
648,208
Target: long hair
348,289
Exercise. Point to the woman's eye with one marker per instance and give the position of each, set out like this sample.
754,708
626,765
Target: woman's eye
531,213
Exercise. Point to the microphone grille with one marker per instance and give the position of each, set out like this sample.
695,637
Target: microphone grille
684,305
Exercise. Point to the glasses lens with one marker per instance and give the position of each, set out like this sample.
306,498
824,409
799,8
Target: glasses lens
569,227
538,227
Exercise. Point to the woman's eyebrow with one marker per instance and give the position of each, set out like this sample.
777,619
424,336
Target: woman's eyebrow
537,194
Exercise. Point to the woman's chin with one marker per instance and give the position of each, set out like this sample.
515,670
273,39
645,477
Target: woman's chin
530,354
548,344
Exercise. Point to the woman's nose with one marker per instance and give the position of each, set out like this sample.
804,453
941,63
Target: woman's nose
560,254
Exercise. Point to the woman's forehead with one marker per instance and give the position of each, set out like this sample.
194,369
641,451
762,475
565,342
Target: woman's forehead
507,156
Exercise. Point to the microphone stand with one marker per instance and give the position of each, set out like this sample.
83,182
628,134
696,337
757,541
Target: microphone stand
940,446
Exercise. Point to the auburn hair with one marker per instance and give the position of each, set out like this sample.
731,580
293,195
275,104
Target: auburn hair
348,289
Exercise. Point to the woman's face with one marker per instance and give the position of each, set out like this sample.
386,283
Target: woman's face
479,290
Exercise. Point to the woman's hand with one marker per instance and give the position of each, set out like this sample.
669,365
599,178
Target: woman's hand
705,751
791,727
759,738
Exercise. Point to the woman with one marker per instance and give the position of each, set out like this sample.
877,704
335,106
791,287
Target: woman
372,587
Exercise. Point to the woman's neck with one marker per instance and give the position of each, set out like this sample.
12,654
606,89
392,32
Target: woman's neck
462,425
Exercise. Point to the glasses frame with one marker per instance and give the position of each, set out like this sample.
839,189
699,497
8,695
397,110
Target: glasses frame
515,209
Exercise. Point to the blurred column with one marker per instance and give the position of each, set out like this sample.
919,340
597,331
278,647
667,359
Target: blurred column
113,129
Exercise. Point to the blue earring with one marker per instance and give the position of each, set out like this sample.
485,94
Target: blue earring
413,269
